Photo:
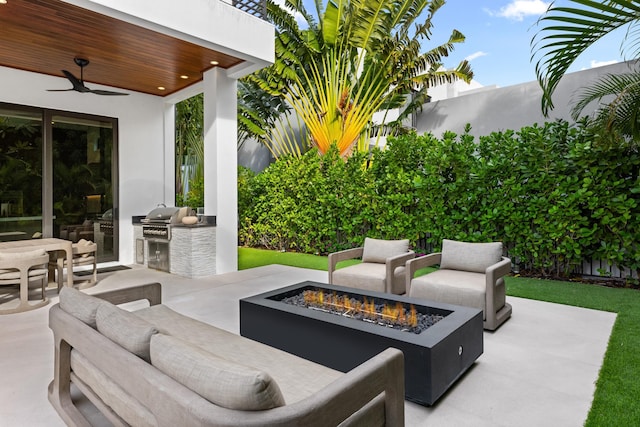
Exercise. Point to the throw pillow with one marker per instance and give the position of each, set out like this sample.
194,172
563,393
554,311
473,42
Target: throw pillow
220,381
378,251
125,329
80,305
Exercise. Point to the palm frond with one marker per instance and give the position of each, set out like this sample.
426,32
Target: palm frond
569,31
620,111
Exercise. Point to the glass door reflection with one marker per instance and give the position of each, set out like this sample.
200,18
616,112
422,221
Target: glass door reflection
82,151
20,174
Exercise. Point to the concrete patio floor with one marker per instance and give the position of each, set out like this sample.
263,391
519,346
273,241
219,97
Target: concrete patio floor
539,368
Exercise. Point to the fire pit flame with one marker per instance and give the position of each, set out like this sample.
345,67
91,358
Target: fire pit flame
390,314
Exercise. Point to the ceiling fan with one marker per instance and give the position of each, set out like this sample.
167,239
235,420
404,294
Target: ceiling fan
78,85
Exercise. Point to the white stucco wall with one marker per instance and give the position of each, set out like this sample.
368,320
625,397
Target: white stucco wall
144,180
511,107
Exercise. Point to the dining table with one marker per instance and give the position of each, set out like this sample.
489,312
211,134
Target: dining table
51,244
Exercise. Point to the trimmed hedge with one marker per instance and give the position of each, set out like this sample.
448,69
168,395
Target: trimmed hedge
550,194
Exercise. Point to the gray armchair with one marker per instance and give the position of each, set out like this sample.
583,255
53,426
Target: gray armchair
382,268
470,274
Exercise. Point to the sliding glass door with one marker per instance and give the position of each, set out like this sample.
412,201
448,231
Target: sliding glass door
82,180
58,177
20,174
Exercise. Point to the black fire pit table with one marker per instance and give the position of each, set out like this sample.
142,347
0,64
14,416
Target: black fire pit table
434,358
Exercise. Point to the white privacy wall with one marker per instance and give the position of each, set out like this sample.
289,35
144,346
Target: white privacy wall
144,180
511,107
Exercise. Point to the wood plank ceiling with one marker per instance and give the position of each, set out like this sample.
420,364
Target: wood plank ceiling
44,36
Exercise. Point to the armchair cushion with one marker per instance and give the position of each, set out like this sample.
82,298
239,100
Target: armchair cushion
457,287
378,251
84,248
473,257
370,276
19,256
218,380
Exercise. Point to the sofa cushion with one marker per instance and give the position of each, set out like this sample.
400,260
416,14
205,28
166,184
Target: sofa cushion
474,257
80,305
125,329
220,381
378,251
297,378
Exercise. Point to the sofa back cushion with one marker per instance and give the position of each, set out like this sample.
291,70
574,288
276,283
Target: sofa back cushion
473,257
80,305
378,251
125,329
220,381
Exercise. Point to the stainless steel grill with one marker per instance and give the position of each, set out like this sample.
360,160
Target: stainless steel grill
156,229
157,224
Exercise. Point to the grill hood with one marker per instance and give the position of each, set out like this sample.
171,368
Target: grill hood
166,215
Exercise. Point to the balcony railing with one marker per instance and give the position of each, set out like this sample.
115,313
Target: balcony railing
254,7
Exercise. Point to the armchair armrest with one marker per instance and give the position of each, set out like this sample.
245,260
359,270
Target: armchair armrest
394,262
497,270
336,257
152,292
492,274
416,264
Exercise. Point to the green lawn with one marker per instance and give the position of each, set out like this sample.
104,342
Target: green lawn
618,386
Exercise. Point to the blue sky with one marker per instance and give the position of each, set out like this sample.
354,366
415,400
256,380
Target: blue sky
498,38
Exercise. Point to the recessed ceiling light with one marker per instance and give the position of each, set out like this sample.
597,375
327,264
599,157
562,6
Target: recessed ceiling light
3,1
214,62
184,77
161,88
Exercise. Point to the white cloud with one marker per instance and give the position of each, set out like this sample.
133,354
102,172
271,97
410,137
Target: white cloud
475,55
595,63
518,9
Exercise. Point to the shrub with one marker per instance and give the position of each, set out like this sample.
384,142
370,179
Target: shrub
550,193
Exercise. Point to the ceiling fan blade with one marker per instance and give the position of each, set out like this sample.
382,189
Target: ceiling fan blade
106,92
77,84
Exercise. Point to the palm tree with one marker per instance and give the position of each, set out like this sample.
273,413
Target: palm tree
568,33
189,144
359,57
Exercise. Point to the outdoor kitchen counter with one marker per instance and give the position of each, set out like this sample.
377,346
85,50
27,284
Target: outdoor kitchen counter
192,248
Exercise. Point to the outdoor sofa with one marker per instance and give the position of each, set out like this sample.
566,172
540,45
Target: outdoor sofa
156,367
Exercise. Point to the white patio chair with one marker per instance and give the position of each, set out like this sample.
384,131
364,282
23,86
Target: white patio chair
84,253
24,268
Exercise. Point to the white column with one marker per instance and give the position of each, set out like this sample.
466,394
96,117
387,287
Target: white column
169,193
221,164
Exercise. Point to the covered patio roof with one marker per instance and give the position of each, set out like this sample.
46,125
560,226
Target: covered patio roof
124,51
